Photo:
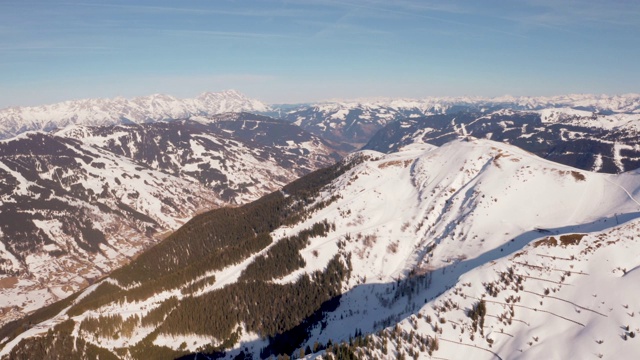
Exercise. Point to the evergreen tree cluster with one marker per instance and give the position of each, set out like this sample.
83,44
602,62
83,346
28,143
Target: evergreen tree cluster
284,257
198,285
212,241
265,308
103,294
477,313
59,344
110,326
369,347
14,328
157,315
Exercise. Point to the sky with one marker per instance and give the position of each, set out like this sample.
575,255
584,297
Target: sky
293,51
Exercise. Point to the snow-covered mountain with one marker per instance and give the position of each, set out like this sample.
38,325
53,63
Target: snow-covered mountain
474,248
79,203
102,112
353,123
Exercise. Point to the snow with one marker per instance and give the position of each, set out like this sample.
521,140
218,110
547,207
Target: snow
22,185
191,342
4,254
628,103
555,114
44,278
572,116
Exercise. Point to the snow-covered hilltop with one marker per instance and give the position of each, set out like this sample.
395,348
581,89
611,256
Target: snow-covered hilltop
100,112
595,142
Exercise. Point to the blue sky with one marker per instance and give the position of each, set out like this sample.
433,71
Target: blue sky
285,51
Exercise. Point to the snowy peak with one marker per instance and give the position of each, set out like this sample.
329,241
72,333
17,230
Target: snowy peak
424,222
101,112
456,196
625,103
230,101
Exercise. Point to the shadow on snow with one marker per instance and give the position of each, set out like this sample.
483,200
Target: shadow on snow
378,305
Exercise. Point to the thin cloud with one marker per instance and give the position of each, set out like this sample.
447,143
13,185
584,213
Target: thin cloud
566,14
410,9
341,26
54,49
202,11
551,14
229,34
424,6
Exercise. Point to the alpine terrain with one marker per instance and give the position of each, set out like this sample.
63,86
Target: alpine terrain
372,195
475,248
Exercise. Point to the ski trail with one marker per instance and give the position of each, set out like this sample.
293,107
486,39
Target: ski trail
625,190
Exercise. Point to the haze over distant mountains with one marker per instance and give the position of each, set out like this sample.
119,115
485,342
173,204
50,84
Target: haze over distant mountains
101,112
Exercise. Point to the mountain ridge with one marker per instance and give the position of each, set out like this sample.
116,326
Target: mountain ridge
375,112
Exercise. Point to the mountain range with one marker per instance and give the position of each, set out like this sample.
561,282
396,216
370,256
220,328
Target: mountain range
350,122
103,112
490,228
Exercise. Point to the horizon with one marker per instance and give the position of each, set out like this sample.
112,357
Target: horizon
461,98
293,51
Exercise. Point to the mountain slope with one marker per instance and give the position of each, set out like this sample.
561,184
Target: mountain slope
102,112
414,238
240,156
72,212
350,124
